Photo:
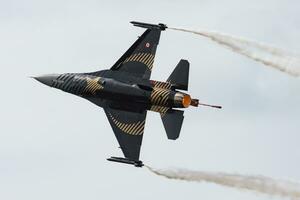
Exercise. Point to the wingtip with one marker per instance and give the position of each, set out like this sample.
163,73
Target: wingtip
160,26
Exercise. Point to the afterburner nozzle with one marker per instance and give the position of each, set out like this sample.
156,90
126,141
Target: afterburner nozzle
186,101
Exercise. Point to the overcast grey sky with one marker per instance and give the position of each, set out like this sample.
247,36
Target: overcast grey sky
53,145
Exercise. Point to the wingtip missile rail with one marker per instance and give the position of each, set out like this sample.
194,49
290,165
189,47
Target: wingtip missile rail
160,26
137,163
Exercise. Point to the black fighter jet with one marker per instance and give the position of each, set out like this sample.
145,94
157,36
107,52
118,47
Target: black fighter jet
126,93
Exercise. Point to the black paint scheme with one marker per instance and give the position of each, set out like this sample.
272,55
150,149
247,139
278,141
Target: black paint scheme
125,92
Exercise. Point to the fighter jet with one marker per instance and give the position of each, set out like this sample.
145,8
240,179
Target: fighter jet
126,93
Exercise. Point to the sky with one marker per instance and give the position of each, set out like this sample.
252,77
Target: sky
54,145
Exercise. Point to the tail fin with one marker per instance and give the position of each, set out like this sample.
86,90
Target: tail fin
180,76
172,121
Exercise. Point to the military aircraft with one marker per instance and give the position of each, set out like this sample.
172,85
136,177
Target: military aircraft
126,93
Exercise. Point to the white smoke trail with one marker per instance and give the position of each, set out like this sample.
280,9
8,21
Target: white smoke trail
282,60
260,184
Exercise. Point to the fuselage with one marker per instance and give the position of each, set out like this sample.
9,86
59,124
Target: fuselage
120,90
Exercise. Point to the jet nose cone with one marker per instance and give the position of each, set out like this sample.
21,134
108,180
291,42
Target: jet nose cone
47,79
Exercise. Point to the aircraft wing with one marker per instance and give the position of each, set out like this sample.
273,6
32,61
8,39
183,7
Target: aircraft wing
139,58
129,129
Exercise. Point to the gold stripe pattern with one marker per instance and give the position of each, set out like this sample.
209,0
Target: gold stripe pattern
159,96
93,85
145,58
162,110
163,85
129,128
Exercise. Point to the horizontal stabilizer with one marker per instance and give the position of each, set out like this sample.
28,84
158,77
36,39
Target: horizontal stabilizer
150,26
172,121
180,76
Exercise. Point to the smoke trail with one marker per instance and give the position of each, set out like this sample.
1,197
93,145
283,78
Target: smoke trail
274,57
260,184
